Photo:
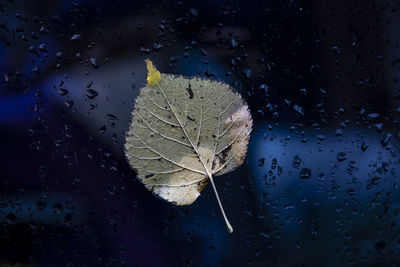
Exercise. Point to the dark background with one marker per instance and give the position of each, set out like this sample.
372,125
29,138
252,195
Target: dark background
320,184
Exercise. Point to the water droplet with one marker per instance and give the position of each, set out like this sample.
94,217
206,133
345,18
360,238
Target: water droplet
41,205
373,115
386,139
261,162
102,129
90,93
58,208
11,218
111,117
69,103
157,47
341,156
364,146
296,161
173,59
63,91
76,37
305,173
94,63
203,51
247,73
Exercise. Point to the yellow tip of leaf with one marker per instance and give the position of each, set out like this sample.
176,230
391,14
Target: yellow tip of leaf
230,228
153,75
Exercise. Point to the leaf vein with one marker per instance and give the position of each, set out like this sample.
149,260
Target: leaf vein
157,105
160,118
168,159
162,135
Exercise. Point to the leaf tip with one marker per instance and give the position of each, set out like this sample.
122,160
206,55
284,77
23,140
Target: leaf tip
153,75
230,229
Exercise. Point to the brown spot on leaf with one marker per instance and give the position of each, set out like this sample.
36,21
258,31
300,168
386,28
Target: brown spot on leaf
224,154
189,90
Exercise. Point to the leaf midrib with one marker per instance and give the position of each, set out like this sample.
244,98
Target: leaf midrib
208,173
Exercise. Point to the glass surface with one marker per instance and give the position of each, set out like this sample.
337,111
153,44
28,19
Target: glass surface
319,185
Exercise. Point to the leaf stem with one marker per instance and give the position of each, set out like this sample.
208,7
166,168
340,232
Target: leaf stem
220,204
201,159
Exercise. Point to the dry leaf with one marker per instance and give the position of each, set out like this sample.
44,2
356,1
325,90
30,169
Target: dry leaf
184,132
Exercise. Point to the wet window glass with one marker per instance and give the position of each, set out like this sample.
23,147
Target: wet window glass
319,185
